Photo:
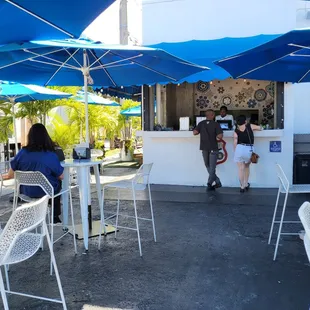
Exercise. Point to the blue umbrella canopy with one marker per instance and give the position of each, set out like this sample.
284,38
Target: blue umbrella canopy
134,111
129,92
95,99
25,20
78,62
284,59
68,62
205,52
15,92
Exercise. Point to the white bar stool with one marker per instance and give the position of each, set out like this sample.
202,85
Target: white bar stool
139,182
284,188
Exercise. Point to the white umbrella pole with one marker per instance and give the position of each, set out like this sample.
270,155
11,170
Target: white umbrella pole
86,96
81,133
14,127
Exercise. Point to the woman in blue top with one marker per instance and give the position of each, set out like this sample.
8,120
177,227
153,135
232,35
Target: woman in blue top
39,155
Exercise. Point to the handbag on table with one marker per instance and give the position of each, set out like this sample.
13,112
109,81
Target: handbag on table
81,152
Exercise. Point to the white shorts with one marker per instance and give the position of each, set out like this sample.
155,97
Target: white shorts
243,154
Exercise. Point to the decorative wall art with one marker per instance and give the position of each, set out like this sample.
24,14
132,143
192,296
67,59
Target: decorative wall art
203,86
237,95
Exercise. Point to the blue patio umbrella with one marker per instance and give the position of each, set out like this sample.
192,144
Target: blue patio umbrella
284,59
25,20
78,62
95,99
134,111
15,92
129,92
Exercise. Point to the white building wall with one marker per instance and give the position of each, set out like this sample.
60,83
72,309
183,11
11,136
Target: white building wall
302,14
301,108
183,20
106,27
302,91
134,10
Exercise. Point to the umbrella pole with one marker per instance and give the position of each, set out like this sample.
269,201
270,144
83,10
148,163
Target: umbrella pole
14,127
81,133
86,96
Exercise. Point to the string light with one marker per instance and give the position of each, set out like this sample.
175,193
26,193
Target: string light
244,80
211,83
178,84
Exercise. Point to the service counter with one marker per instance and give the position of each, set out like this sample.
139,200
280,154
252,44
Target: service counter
178,160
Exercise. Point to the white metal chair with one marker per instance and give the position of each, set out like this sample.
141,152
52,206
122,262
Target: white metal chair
139,182
4,168
304,215
95,153
284,188
21,239
36,178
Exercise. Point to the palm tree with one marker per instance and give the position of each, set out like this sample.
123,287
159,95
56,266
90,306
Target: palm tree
6,122
129,126
103,123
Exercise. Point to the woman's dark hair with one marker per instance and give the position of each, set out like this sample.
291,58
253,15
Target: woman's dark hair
39,139
224,108
241,120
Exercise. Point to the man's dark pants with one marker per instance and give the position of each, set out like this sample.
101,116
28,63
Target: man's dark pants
210,159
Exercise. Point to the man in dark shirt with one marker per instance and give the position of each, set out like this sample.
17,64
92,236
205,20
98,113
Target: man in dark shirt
210,131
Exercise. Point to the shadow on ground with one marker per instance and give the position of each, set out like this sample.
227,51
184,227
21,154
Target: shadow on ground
211,254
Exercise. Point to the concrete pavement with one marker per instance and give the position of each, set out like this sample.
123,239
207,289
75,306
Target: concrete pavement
211,254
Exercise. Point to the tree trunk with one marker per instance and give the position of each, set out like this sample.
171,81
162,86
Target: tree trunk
112,144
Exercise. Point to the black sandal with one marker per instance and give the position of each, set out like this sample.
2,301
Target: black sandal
248,187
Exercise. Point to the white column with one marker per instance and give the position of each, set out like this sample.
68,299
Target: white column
123,21
288,137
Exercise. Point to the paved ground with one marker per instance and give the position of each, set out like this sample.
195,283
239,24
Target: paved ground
211,254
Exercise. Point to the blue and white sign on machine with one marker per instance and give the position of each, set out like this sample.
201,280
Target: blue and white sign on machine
275,147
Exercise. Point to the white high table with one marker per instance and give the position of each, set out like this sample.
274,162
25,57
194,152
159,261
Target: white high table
83,175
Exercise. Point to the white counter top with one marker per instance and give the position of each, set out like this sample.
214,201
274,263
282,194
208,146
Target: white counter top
177,158
189,134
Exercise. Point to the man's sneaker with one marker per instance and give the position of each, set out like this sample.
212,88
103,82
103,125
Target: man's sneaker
218,185
210,187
